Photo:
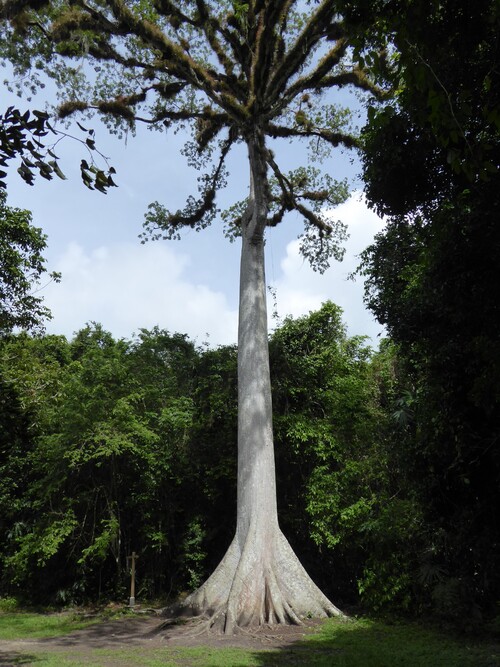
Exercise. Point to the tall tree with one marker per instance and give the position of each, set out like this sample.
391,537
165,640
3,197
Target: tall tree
431,164
236,72
22,266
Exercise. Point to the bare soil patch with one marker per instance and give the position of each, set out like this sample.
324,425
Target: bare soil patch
153,631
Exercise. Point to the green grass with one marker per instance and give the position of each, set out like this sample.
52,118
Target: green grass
368,643
165,657
26,625
356,643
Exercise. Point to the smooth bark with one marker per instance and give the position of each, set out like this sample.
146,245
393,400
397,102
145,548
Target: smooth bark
260,580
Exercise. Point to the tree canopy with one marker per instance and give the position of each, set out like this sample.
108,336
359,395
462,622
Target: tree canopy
227,70
22,268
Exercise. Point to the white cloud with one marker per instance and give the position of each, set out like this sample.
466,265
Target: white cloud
126,287
299,289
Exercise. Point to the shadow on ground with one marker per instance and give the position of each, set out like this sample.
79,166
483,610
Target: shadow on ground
376,644
334,643
14,658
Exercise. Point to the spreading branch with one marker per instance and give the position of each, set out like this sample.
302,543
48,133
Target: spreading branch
198,214
299,52
244,70
333,138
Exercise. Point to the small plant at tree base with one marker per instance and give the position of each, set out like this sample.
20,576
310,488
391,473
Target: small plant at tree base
194,554
8,605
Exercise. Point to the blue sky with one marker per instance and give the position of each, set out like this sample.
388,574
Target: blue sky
188,286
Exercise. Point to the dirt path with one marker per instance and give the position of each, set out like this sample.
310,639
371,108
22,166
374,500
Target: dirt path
152,632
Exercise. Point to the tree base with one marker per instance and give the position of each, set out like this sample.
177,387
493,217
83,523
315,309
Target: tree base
262,583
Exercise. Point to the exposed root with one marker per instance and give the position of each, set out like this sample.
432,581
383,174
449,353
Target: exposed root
201,628
257,634
262,583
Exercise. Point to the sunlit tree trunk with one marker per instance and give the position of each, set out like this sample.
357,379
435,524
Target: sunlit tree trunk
260,580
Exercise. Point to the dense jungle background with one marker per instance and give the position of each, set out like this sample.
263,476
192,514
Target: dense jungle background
113,446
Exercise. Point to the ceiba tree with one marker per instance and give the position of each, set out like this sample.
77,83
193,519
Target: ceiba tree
236,73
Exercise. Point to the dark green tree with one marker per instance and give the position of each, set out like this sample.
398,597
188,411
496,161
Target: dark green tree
102,443
23,136
30,377
344,492
431,165
22,268
324,415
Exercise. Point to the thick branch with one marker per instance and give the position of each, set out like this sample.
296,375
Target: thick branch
106,25
267,46
177,62
356,77
277,217
314,219
282,8
122,107
300,51
177,18
238,45
333,138
290,200
314,78
210,27
104,51
12,8
196,213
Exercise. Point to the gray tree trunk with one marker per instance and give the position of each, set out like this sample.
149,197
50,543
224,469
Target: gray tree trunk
260,580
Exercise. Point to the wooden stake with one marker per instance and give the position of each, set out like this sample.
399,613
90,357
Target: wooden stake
132,558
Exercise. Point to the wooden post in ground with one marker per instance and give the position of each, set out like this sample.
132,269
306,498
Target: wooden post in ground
132,560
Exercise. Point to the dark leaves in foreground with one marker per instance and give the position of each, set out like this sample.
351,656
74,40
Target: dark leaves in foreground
23,135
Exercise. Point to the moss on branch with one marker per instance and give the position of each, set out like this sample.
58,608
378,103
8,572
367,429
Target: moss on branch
70,107
333,138
301,49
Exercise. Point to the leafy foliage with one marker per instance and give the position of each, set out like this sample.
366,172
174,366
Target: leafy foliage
127,446
431,164
230,72
23,135
22,266
112,446
340,463
102,465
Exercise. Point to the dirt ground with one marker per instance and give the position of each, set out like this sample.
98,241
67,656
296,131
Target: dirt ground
152,631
